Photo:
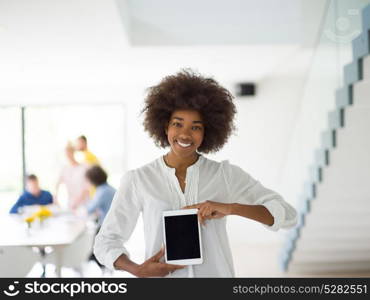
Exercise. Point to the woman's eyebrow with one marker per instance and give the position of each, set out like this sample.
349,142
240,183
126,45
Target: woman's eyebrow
181,119
178,118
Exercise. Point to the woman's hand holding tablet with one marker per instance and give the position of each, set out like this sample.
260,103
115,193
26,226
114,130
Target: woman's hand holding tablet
211,210
154,268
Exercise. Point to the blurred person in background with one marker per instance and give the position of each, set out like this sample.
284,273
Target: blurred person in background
73,177
100,203
33,195
85,155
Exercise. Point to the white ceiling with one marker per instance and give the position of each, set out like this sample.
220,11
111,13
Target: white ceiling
214,22
95,50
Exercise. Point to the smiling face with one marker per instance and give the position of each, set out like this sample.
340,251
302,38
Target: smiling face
185,132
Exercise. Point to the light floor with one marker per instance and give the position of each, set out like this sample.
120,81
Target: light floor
250,260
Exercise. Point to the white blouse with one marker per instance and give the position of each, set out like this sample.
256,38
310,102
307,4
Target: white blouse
154,188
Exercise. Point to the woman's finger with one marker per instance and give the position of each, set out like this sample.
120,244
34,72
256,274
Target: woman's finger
174,267
191,206
203,210
209,210
200,219
168,268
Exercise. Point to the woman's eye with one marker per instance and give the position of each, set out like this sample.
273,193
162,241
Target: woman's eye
176,124
196,128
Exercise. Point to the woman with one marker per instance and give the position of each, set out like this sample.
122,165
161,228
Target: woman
193,115
72,176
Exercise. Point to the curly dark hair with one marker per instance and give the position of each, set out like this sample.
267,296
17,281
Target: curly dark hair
96,175
189,90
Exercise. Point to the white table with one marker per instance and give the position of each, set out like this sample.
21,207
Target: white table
56,232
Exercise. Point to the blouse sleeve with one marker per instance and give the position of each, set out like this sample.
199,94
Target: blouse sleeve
244,189
118,224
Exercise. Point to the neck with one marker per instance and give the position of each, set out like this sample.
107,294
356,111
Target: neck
180,163
37,193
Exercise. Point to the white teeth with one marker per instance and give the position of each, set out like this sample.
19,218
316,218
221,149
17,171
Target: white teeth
183,145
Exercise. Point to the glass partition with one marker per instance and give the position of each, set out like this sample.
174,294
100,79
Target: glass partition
333,50
10,157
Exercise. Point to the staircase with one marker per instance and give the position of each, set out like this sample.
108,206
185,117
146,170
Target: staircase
333,231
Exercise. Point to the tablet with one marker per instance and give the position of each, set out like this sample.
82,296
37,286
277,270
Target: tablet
182,238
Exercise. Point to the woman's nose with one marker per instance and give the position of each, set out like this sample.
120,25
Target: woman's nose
185,133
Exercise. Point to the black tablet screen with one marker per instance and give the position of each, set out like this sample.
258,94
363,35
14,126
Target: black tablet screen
182,237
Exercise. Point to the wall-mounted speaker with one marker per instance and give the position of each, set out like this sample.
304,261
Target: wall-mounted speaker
246,89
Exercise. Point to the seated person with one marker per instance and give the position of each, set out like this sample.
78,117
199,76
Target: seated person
33,195
103,196
100,203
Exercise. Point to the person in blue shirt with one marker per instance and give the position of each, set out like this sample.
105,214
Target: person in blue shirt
100,203
33,195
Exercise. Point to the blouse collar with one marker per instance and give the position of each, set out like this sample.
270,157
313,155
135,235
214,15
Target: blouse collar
173,170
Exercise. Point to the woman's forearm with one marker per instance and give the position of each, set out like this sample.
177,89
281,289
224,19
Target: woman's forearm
258,213
125,264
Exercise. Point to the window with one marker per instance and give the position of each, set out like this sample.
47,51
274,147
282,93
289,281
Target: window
11,157
47,131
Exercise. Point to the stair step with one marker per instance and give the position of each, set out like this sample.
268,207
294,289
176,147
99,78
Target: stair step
333,255
327,222
331,208
360,45
336,119
343,96
323,250
328,139
338,205
326,232
340,266
366,18
334,216
353,72
327,244
321,157
315,173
